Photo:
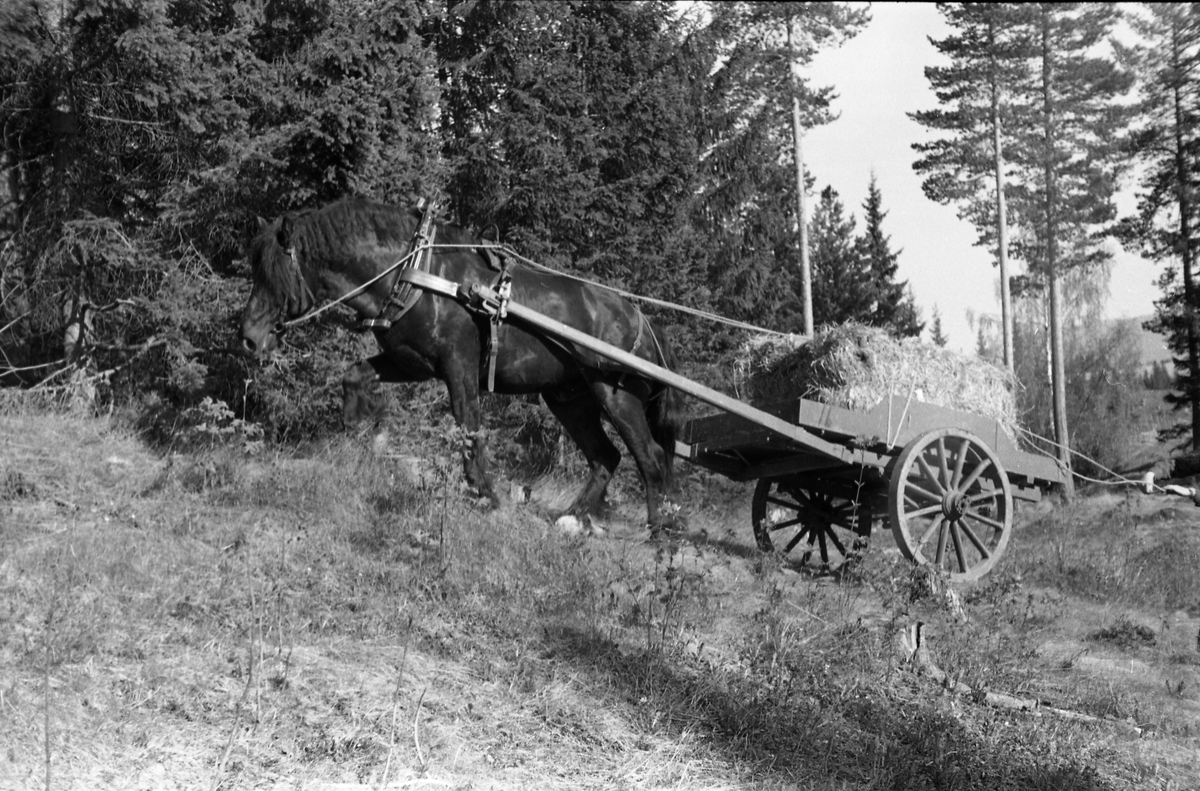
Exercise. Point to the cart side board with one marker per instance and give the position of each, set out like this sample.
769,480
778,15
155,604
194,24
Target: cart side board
724,440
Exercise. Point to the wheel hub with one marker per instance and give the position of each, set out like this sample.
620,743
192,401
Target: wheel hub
954,505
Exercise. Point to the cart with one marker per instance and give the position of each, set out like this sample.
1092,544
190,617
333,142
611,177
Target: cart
944,480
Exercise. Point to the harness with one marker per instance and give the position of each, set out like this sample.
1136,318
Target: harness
496,311
404,295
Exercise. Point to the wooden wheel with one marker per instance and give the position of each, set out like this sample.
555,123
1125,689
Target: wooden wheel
950,503
825,529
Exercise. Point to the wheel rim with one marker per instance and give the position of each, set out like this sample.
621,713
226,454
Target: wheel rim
814,528
950,504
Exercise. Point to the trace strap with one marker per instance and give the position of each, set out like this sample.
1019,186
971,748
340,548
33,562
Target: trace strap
403,296
497,311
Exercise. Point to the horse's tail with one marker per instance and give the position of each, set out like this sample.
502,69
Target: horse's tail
664,412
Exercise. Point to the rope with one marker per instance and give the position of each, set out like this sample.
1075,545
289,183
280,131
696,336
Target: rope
704,314
1121,480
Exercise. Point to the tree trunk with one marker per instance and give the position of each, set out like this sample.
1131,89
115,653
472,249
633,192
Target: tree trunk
1187,252
1006,297
801,215
1058,378
1006,317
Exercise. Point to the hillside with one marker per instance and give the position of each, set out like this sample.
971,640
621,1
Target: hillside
340,619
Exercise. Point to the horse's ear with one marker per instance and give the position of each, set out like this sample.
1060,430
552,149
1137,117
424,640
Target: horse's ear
262,224
284,234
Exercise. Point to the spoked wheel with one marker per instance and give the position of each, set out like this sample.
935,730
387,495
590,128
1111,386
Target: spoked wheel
815,527
950,504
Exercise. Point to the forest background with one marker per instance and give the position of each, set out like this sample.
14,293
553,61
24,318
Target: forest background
644,144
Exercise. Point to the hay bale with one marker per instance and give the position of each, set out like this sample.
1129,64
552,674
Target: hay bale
856,367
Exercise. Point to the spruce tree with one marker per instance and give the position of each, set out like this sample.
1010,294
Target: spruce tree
842,281
893,306
937,335
747,203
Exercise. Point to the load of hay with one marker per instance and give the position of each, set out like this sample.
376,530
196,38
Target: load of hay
856,367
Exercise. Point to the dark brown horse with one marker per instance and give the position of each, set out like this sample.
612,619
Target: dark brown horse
301,259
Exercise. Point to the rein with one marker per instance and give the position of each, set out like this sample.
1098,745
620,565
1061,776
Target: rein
404,296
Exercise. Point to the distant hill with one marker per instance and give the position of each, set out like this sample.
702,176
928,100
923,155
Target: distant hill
1153,347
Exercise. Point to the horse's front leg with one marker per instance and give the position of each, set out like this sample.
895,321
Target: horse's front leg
464,405
360,397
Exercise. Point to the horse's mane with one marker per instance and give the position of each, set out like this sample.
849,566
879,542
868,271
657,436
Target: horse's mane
326,237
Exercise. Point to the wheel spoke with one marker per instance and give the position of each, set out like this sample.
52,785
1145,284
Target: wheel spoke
941,459
992,523
979,545
941,545
788,504
788,523
910,486
933,526
926,511
959,462
980,497
980,470
824,549
958,548
930,475
836,542
807,531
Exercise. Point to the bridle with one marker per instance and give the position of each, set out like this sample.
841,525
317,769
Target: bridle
401,297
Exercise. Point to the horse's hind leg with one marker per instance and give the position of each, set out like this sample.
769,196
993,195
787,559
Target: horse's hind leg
626,409
580,418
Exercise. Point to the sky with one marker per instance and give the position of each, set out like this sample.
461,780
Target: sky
879,77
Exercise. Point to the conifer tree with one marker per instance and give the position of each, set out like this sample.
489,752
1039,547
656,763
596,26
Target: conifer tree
892,302
842,287
937,335
1066,161
747,203
1167,140
979,114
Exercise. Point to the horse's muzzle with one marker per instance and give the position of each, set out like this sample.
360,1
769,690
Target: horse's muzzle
254,344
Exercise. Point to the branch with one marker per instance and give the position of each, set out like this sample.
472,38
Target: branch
913,648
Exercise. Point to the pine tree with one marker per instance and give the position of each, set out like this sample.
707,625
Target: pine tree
988,64
893,303
1066,161
1167,140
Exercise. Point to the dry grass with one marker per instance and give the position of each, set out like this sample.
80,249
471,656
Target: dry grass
856,367
331,621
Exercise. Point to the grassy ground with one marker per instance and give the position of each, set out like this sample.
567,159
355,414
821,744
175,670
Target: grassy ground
337,618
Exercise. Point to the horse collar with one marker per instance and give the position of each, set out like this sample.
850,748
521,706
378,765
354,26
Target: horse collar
403,296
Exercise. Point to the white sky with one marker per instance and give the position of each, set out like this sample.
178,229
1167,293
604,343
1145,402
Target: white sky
879,77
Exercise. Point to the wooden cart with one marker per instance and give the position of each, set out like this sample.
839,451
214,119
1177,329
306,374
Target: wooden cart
944,480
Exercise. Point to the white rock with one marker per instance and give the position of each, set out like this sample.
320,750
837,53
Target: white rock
569,525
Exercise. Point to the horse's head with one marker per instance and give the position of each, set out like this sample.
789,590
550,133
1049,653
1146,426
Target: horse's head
279,292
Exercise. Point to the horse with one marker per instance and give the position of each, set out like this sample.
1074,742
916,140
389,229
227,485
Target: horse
339,251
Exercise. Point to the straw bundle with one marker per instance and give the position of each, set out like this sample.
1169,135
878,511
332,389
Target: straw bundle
856,367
